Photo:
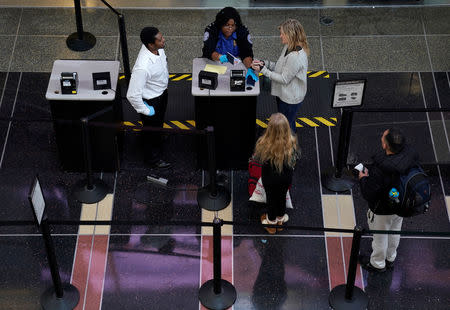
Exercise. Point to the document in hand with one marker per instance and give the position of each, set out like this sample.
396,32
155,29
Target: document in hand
232,60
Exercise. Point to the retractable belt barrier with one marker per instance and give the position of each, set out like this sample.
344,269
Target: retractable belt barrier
339,178
218,293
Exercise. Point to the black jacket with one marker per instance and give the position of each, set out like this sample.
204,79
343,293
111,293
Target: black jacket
211,37
383,175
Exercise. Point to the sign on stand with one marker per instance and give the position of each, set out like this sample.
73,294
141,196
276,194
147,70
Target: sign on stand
36,198
348,93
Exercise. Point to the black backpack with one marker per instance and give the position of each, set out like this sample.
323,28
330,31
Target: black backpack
414,193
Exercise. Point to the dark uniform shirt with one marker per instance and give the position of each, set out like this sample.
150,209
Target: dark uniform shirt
242,41
383,175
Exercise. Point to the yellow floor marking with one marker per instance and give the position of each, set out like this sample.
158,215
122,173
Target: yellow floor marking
189,79
225,214
338,213
180,125
166,126
181,77
327,76
298,125
104,213
308,72
192,123
171,75
308,122
260,123
88,213
447,199
317,74
324,121
128,123
334,119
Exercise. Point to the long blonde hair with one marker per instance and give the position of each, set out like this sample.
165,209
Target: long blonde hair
295,34
277,145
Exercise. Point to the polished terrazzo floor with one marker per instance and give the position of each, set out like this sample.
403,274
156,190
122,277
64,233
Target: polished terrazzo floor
401,51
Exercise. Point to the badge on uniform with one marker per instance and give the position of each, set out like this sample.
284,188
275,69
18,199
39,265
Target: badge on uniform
234,42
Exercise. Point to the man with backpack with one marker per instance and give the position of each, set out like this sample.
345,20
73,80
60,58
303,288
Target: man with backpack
377,184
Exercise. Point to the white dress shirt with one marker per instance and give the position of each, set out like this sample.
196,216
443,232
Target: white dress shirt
149,79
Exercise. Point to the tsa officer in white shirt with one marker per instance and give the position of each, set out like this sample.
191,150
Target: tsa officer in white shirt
147,91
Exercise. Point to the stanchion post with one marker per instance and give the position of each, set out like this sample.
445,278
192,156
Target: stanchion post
211,160
335,179
217,293
87,152
124,46
54,269
212,197
60,296
217,255
78,19
89,190
348,296
80,41
344,141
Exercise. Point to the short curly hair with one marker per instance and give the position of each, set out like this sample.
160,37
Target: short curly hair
225,15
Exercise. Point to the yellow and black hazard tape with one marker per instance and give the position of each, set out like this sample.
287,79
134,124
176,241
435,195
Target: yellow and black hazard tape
190,124
175,77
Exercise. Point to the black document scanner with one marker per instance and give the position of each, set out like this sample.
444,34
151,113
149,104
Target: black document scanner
207,79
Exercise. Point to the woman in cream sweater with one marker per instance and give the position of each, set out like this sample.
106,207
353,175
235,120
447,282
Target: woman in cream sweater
288,73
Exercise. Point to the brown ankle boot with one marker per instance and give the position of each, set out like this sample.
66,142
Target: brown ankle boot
265,221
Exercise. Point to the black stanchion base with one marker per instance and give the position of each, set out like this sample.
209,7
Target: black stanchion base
338,301
85,195
69,301
213,203
75,44
342,184
211,300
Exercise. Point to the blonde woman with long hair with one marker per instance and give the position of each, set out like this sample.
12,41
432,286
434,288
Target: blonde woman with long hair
277,151
288,73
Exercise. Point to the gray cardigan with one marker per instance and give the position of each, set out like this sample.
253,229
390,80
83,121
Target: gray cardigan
288,75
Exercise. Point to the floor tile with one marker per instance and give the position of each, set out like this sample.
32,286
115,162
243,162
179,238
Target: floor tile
172,281
263,22
61,21
9,20
270,273
436,19
372,21
25,270
406,284
438,44
169,22
443,88
6,49
41,58
376,54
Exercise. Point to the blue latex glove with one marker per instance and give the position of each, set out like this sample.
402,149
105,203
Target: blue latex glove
152,109
252,74
223,59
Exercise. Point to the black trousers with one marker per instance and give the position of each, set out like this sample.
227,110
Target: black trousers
276,186
153,140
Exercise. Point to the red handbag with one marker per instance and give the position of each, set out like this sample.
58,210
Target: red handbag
254,173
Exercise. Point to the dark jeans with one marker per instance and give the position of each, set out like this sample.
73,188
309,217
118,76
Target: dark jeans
152,140
290,111
276,186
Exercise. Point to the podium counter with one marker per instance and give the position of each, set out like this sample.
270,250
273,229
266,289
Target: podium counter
232,113
105,103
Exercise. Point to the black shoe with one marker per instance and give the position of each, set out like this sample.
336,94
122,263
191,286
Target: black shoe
364,261
160,164
389,265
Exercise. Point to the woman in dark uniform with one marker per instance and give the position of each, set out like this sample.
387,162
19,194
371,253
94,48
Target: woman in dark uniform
228,34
